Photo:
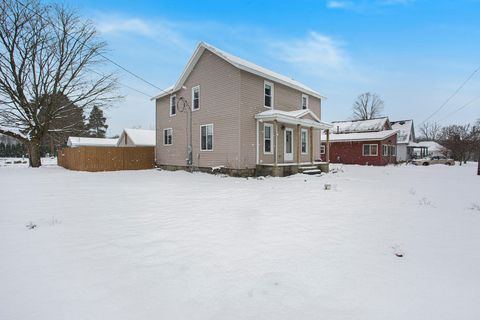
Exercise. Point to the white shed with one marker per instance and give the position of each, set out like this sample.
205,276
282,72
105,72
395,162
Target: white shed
74,142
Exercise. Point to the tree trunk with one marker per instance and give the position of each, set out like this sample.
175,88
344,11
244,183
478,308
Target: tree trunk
34,154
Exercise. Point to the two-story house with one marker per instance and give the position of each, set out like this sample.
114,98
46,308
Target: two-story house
230,114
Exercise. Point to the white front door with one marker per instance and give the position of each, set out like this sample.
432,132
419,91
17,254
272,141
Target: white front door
288,145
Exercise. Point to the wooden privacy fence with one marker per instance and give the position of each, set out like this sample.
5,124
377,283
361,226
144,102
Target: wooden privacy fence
107,158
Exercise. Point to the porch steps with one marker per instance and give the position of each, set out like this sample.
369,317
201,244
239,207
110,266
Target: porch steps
310,170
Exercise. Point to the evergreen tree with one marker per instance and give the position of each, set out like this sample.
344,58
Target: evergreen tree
97,126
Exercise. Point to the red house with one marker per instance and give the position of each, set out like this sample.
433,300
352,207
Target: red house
365,142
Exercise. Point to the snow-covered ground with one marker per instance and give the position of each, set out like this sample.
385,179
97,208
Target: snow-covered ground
173,245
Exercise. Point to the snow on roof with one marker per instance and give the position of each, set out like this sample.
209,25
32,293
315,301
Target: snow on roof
91,142
140,137
359,136
240,64
405,130
359,125
431,145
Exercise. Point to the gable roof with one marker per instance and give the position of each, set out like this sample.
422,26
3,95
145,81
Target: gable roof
91,142
405,130
240,64
293,117
377,124
140,137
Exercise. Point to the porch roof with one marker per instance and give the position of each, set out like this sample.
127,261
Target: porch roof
293,117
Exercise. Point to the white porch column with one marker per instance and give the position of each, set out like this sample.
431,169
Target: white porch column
327,146
275,153
257,153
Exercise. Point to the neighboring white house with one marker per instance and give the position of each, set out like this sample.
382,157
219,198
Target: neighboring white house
136,138
405,138
74,142
434,148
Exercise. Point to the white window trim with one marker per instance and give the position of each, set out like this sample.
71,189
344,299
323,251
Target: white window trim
385,147
306,142
307,98
393,150
268,125
170,105
193,90
322,149
272,95
167,144
213,137
370,149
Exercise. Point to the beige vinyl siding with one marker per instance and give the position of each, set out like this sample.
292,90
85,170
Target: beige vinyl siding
219,100
251,103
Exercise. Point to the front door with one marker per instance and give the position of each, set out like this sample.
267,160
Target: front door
288,145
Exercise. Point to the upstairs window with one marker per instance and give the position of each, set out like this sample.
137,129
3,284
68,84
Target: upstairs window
304,101
173,105
267,138
304,141
268,94
206,137
168,136
196,98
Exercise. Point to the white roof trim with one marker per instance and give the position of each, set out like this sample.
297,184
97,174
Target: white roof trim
360,136
240,64
293,117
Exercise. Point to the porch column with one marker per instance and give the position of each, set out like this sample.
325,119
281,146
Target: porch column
257,156
327,146
299,143
310,141
275,153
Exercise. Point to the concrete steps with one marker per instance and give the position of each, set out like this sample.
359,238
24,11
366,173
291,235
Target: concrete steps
311,170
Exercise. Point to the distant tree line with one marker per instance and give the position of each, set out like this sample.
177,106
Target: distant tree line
462,141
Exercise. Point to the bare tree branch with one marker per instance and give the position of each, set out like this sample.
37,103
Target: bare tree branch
367,106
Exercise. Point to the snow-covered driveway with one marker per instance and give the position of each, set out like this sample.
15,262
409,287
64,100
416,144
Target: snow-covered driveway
173,245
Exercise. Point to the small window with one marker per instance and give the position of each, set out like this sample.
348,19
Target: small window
268,94
322,149
304,101
167,136
370,150
173,105
196,98
304,141
385,150
267,138
206,137
393,150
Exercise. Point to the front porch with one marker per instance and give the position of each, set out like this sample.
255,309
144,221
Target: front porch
289,142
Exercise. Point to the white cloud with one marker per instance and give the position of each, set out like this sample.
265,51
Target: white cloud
339,4
317,52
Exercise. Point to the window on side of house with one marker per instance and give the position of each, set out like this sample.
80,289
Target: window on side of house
267,138
167,136
268,94
322,149
304,101
393,150
196,98
304,142
370,150
206,137
385,150
173,105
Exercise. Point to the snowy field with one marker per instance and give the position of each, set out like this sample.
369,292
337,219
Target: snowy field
173,245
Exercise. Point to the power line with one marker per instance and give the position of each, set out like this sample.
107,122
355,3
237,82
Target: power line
122,84
461,108
452,95
99,53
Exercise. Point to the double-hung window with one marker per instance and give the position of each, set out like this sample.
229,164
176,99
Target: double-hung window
304,142
322,149
206,137
304,101
267,138
167,136
173,105
196,98
393,150
268,94
370,149
385,150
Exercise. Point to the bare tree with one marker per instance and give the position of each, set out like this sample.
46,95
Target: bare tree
46,52
367,106
430,131
461,140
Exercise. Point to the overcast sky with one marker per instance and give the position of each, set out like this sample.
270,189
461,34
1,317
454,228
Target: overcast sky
413,53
